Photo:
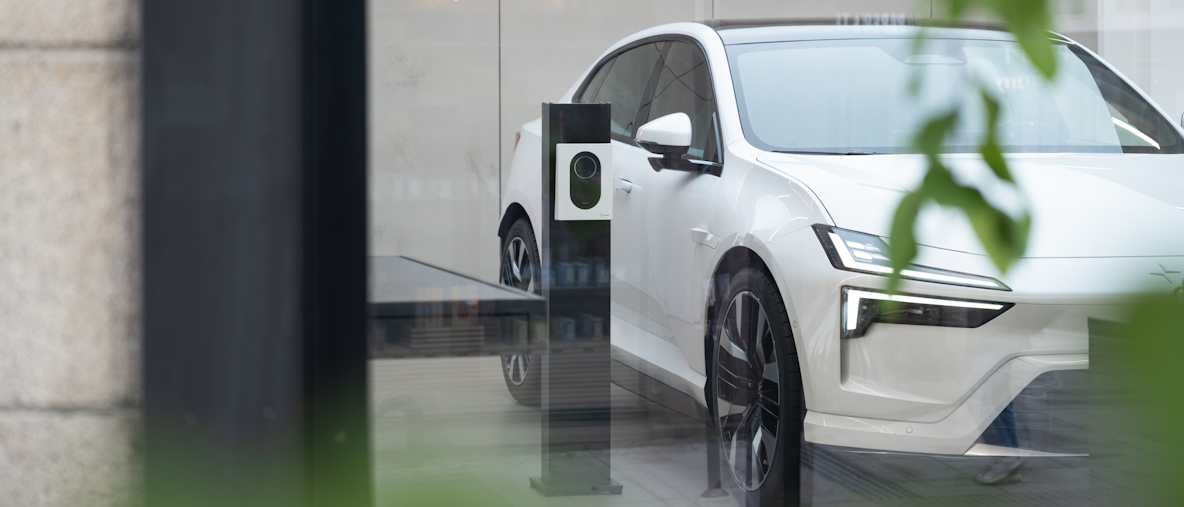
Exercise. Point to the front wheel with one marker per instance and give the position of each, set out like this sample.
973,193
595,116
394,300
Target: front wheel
758,405
520,268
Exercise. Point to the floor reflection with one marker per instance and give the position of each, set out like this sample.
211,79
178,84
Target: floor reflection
446,432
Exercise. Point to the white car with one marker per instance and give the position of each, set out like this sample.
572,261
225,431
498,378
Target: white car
749,278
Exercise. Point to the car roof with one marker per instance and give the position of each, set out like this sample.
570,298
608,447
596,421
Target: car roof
887,27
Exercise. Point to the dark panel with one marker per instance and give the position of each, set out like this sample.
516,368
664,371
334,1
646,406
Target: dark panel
254,314
576,429
223,360
335,251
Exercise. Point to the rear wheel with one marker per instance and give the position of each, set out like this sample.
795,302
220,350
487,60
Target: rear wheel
758,405
520,269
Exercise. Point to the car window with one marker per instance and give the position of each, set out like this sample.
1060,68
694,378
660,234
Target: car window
624,86
842,95
684,86
1140,128
594,85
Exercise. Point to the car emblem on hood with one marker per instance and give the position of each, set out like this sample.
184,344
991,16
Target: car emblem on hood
1163,271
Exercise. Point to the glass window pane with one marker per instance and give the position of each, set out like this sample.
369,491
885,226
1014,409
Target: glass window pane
794,98
1138,125
597,80
625,85
684,86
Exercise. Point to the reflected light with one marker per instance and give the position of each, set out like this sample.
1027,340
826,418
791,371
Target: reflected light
1123,125
848,257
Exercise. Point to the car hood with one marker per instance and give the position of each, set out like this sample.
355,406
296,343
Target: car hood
1112,205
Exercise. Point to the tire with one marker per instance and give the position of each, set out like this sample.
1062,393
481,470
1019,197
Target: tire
757,402
520,269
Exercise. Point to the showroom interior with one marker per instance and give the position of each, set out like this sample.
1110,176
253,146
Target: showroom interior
591,253
431,63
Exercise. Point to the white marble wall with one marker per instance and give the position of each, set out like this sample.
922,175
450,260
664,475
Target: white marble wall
69,252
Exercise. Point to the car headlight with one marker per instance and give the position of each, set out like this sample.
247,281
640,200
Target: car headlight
866,253
864,307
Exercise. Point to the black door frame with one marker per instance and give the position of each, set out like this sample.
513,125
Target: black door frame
254,253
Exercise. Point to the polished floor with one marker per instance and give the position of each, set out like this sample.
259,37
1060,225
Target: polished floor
446,432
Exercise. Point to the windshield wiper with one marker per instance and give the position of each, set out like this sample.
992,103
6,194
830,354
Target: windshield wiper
848,152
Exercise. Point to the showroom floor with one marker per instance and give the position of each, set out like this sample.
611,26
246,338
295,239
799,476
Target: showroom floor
446,432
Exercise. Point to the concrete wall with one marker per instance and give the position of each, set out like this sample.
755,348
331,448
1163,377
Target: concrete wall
1145,39
69,324
434,131
452,81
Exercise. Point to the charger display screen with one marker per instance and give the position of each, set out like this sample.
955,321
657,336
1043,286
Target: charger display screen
585,180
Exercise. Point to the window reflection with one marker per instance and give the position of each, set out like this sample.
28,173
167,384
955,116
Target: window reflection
456,414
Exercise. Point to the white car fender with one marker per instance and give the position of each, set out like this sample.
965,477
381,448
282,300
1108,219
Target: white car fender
523,184
752,207
762,250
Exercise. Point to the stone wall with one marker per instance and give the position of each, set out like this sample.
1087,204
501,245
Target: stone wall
69,252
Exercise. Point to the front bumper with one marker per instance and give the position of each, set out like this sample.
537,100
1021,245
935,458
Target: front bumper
955,434
934,389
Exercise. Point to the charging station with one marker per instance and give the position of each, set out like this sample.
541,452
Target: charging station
577,183
583,171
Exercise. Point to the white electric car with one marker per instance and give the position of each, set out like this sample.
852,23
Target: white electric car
749,279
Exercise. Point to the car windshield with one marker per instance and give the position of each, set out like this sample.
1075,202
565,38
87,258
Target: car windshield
852,97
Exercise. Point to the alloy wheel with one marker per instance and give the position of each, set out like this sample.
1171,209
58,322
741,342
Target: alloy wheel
517,271
517,267
747,390
516,365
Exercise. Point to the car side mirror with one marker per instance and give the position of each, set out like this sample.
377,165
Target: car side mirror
670,137
1182,119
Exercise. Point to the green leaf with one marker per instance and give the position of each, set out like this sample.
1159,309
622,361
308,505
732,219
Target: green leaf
956,7
1147,351
1003,237
940,184
993,156
1034,40
991,226
914,86
929,139
989,149
1030,21
902,247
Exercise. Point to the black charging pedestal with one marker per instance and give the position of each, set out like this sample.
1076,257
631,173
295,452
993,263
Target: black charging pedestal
576,413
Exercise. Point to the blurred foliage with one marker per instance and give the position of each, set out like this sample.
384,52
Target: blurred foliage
1029,20
1003,236
1151,348
1152,332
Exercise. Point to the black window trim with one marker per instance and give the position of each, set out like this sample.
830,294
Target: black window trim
592,76
651,86
647,97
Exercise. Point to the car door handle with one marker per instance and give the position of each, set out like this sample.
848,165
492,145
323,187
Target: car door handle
704,238
626,186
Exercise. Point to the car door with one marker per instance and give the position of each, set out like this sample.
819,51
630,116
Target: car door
674,198
657,323
640,335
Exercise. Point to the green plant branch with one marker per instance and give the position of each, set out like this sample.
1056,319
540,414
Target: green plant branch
1003,237
1150,342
